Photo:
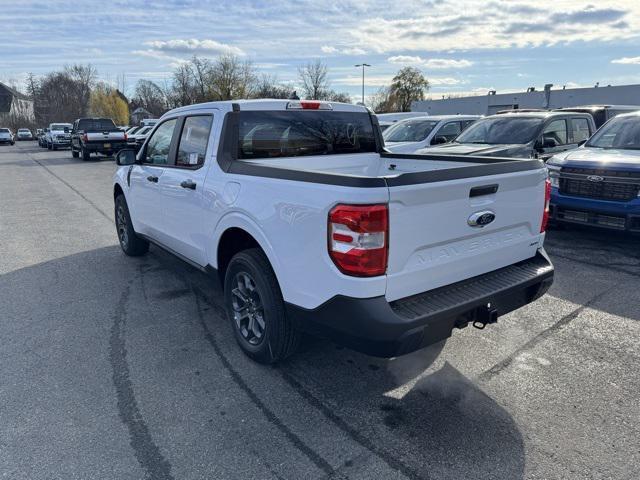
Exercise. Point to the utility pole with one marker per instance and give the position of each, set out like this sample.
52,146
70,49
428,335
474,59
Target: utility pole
363,65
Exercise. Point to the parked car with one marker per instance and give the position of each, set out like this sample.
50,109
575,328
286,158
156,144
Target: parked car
6,136
602,113
132,129
598,184
58,135
148,122
312,226
42,138
137,139
385,120
24,134
521,135
407,136
96,135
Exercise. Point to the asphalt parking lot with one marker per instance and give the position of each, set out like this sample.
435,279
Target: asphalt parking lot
121,368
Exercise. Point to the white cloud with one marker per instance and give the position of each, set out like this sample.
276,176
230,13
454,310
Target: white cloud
437,81
194,46
432,63
457,25
329,50
627,60
369,80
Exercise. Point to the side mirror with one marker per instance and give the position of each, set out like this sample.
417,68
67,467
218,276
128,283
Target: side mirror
126,157
439,140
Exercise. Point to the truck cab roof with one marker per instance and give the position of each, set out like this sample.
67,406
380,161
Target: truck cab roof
271,104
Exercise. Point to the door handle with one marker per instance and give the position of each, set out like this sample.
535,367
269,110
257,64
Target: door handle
188,184
152,178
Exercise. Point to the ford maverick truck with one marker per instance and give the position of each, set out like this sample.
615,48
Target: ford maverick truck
312,227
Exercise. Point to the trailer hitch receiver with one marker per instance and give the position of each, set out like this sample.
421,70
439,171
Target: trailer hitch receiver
484,316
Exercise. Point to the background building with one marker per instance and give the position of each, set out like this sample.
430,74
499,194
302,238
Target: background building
545,99
14,105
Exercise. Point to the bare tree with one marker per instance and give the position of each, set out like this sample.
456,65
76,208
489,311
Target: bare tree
269,87
84,79
382,101
313,77
149,96
232,78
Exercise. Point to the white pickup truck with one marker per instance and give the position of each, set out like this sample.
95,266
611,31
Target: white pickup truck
312,227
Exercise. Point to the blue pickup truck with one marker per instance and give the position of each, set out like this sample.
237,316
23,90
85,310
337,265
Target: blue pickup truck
598,183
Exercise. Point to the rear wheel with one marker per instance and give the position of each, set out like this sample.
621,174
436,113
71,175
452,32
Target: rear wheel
256,310
130,242
86,154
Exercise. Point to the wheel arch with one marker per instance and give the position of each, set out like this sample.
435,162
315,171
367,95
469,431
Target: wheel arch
235,233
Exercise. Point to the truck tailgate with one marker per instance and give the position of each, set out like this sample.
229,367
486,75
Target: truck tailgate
432,244
107,136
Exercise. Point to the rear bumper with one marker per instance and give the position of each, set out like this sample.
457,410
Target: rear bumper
100,146
388,329
622,216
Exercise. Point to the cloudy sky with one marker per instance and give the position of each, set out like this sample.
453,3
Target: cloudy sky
462,46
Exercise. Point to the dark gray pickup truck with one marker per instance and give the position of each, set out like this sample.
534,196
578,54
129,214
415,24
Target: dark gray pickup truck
96,135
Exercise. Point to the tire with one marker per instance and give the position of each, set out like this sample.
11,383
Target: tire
86,154
130,242
74,154
264,333
54,148
49,146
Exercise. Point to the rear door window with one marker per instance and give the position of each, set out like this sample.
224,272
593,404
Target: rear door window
193,141
271,134
556,131
580,129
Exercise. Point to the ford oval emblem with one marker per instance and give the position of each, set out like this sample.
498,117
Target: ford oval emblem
595,178
480,219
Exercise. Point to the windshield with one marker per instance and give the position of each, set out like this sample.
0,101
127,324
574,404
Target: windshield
144,130
620,132
60,126
4,130
23,130
296,133
409,131
502,131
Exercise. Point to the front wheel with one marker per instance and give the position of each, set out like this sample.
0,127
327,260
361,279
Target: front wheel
74,153
130,242
255,308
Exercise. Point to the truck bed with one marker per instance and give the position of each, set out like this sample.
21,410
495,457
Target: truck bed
397,169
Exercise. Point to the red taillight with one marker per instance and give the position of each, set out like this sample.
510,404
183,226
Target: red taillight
359,239
547,200
126,137
85,138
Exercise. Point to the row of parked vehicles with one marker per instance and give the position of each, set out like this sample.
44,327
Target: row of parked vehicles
7,136
87,136
592,154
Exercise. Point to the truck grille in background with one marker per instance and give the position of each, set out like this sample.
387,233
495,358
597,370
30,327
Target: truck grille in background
615,186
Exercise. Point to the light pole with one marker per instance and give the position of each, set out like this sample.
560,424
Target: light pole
363,65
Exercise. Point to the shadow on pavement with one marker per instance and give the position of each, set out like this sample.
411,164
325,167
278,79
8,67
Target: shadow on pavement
439,425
